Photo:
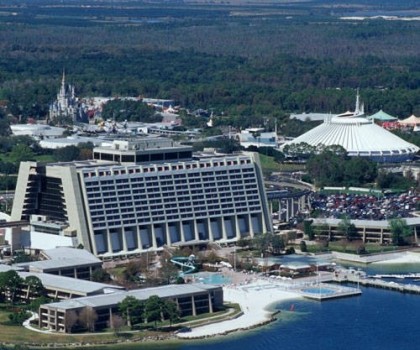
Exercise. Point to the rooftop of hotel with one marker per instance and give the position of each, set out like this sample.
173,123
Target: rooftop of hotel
140,144
212,159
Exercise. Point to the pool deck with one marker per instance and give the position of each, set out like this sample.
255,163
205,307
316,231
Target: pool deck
318,283
329,291
257,294
321,289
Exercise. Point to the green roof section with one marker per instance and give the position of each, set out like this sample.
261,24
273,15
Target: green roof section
382,116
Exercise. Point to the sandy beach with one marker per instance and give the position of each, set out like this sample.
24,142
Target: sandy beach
254,299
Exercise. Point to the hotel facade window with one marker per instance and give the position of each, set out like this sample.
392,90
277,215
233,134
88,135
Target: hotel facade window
126,208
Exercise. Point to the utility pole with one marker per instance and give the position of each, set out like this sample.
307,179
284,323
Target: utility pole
234,258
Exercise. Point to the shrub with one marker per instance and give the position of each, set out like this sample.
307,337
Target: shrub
19,316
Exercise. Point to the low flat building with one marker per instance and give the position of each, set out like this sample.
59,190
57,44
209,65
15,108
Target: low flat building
62,142
63,288
257,137
60,287
37,131
375,231
5,268
191,299
63,261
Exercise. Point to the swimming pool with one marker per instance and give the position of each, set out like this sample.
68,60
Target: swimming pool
319,290
212,278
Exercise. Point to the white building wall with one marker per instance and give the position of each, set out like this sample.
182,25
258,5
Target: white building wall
119,210
170,203
73,201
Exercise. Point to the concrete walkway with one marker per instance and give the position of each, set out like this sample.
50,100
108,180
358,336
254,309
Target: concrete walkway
34,316
27,324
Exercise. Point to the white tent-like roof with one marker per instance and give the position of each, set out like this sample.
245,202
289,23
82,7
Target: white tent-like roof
382,117
360,137
412,120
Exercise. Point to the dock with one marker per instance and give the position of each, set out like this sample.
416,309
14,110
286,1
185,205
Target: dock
379,283
327,291
398,276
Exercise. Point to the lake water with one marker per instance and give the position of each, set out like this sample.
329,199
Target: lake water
378,319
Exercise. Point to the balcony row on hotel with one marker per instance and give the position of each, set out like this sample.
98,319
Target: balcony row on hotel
117,208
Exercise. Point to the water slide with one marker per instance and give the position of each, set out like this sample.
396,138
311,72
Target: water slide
188,265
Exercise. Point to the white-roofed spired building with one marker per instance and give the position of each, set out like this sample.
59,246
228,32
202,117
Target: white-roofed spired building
67,104
359,137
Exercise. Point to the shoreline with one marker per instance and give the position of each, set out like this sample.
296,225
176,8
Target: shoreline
254,298
391,257
409,257
254,295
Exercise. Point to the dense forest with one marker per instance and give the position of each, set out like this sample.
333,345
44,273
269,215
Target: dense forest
249,62
237,58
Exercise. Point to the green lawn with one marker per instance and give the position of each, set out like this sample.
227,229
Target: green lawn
48,158
269,165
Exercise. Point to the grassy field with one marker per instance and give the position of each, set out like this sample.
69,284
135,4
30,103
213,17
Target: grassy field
12,334
47,158
269,165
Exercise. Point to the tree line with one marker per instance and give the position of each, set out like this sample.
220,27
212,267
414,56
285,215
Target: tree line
21,295
242,66
331,166
154,309
325,166
12,287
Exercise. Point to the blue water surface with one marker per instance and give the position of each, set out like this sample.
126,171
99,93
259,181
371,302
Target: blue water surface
318,290
377,320
211,278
